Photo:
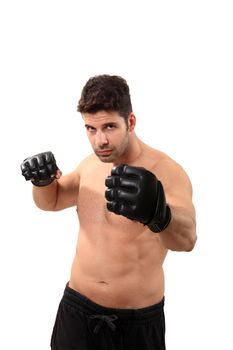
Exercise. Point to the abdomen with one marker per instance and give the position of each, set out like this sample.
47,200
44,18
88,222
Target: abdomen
116,268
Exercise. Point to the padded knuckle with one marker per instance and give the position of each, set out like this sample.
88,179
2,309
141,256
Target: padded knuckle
108,195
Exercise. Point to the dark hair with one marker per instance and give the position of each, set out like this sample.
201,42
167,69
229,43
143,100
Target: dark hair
108,93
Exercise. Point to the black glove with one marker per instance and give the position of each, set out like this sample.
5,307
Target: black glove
136,193
40,169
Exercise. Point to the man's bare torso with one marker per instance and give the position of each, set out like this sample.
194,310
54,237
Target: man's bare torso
118,262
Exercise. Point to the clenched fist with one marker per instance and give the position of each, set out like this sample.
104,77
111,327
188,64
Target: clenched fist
41,169
136,193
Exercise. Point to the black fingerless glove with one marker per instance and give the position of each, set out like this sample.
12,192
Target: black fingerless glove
137,194
40,169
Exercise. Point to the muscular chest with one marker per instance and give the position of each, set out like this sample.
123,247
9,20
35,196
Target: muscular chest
91,199
92,210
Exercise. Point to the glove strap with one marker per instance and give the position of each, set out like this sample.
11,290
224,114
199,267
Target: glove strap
42,183
156,226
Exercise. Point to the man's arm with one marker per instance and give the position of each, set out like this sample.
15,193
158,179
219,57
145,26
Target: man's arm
160,198
180,234
62,193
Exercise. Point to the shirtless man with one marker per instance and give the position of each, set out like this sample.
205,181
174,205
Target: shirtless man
134,203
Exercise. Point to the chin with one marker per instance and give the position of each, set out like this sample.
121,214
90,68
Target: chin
106,159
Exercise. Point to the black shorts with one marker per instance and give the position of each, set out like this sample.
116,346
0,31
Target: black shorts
84,325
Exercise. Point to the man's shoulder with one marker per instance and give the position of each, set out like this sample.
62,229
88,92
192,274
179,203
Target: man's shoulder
162,164
87,162
155,158
171,173
90,159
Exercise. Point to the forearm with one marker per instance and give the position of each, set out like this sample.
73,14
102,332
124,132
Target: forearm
45,197
180,234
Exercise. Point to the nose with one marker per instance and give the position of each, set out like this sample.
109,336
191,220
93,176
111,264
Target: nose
101,139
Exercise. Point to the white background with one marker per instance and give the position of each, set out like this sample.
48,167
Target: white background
177,58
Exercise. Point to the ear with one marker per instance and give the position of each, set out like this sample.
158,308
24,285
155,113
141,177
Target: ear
131,121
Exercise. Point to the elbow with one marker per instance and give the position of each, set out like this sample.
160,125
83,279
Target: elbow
191,242
191,237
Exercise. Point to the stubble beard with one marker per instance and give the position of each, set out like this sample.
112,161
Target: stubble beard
116,153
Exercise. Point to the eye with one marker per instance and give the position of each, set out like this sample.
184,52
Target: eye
110,126
90,128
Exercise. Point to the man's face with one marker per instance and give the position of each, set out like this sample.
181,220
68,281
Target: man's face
108,135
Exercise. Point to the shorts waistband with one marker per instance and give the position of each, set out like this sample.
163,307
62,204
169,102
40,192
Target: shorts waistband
75,299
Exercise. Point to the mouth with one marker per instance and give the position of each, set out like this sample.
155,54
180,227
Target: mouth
103,153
